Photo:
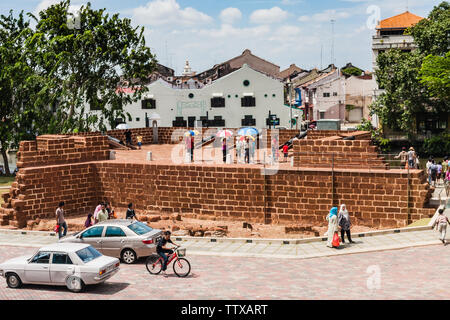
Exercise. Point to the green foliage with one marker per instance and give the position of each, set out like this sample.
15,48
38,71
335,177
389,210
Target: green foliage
377,136
437,145
435,75
52,73
416,81
352,71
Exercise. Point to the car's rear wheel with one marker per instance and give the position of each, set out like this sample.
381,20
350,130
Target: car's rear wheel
128,256
13,280
74,284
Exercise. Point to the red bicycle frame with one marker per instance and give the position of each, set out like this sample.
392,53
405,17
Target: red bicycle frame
171,258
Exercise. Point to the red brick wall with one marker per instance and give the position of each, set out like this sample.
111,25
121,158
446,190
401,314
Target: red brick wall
58,149
343,153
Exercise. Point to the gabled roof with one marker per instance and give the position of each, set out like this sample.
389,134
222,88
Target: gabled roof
401,21
289,71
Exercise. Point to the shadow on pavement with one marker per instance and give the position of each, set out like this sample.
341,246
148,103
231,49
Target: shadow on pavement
107,288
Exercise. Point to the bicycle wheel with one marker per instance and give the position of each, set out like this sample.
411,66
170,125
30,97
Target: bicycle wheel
153,264
182,267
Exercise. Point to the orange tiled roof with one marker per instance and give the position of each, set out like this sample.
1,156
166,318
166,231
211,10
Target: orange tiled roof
404,20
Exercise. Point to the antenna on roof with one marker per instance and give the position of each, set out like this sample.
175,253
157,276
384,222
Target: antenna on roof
321,55
407,5
332,40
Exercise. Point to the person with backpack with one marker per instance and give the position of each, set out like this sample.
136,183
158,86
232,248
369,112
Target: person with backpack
441,223
434,172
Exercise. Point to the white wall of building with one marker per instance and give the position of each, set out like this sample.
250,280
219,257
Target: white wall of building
172,103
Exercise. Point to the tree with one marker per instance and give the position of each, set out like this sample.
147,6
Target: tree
416,81
83,65
15,81
435,75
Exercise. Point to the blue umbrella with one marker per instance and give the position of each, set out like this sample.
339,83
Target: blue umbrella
248,131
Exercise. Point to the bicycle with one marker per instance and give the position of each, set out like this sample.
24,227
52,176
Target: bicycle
154,263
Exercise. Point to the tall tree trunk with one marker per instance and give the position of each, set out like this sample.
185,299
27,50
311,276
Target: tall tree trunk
5,161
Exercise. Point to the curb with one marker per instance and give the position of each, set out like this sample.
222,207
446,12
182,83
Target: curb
333,252
299,241
29,232
248,240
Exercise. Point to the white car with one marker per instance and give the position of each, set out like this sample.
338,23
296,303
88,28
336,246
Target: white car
71,264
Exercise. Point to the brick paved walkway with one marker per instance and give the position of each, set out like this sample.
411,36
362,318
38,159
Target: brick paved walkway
414,273
266,248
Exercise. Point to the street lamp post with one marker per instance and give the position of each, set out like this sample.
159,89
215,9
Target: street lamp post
289,83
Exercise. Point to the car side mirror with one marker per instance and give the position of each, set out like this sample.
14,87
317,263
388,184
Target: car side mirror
80,236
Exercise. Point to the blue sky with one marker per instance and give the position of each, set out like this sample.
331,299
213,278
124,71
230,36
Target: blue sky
207,32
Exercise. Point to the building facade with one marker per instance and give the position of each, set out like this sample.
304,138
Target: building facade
242,98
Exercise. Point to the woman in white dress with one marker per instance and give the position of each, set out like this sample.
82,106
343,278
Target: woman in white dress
332,225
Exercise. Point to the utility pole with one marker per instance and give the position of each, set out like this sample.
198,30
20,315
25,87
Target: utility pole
289,83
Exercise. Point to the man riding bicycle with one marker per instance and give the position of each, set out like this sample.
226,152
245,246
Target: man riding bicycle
162,250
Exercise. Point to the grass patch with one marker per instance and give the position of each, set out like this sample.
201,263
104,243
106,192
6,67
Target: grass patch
420,223
6,181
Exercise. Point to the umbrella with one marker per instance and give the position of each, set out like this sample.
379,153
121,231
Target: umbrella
191,133
248,131
224,133
244,137
122,126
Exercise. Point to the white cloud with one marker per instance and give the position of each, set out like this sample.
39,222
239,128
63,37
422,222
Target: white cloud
44,4
290,2
268,16
230,15
168,12
326,15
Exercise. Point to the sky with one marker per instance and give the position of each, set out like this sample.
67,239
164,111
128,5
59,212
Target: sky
208,32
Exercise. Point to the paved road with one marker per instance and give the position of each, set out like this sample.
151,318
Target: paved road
413,273
264,248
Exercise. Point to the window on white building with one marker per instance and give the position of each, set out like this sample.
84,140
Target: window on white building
148,104
217,102
248,101
326,94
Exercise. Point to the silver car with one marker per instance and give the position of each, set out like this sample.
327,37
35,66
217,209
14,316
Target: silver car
71,264
125,239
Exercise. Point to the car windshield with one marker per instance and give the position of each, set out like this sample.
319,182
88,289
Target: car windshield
139,228
88,254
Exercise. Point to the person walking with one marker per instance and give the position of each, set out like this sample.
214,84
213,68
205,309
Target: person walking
224,150
192,148
247,149
96,211
139,141
238,150
403,155
411,158
433,172
428,166
102,214
345,223
252,150
88,221
128,137
441,223
285,152
332,226
60,221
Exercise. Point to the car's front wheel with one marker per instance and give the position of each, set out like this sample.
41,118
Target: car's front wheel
128,256
74,284
13,280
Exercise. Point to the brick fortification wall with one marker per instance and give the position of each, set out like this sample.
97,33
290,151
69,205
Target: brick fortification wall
304,194
59,149
327,150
